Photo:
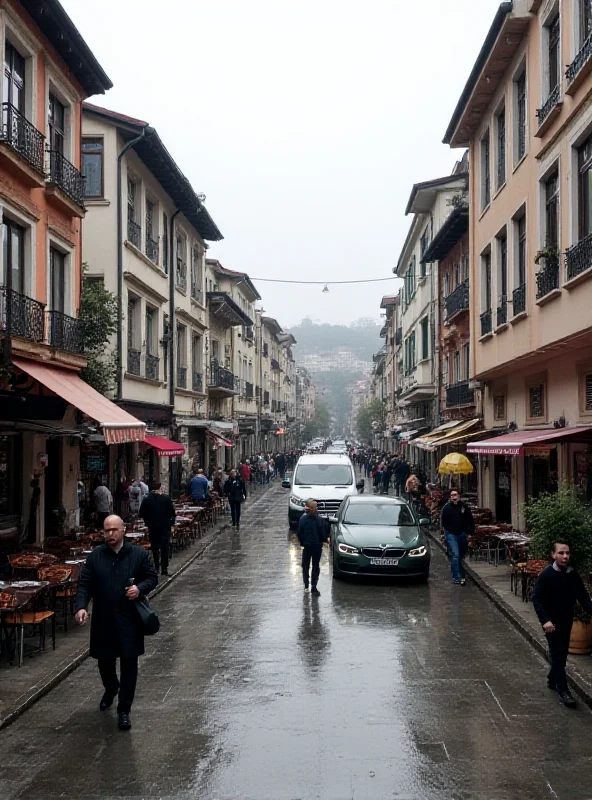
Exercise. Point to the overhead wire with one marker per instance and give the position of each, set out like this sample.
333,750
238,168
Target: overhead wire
324,283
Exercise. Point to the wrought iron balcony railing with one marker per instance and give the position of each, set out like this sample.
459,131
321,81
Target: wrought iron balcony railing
65,333
222,378
197,382
552,102
248,390
134,233
66,177
133,361
152,367
547,277
578,258
486,323
519,300
458,300
23,137
459,394
502,312
152,250
21,315
579,61
182,377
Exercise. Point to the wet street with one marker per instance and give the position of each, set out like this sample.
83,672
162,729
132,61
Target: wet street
254,690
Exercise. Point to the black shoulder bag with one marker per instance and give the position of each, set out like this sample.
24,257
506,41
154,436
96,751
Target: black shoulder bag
148,616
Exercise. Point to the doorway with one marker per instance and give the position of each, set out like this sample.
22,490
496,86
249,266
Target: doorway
54,515
503,489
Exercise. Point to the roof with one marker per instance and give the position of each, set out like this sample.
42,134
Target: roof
323,458
427,190
456,225
272,324
497,50
231,273
58,28
156,157
389,300
286,338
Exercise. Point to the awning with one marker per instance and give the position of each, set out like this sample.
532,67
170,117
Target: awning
513,444
165,447
219,440
449,432
118,426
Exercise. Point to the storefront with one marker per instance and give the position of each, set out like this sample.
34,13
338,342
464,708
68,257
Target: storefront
451,436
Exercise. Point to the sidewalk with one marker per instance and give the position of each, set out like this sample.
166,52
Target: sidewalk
495,582
20,687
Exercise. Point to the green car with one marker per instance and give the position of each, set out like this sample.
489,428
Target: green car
379,536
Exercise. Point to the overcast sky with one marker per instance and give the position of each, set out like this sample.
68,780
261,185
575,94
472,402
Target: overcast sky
305,122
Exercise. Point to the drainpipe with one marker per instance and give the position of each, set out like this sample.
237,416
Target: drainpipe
146,131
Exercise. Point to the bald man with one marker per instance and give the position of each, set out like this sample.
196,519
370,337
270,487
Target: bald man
114,575
312,532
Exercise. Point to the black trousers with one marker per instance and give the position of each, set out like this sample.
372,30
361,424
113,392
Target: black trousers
159,542
309,554
126,686
558,648
235,511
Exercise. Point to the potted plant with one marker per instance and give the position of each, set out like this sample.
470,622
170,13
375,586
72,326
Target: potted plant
565,516
548,255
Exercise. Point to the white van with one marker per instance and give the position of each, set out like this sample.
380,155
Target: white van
328,479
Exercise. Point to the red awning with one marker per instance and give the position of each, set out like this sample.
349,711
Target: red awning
219,440
513,444
118,426
165,447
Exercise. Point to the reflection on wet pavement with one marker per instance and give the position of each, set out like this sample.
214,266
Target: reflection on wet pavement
255,690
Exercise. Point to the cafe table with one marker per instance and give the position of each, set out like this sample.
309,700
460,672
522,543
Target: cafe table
23,593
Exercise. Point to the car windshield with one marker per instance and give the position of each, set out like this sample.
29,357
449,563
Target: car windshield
378,514
324,475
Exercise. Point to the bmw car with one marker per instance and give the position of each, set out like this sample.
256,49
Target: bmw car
379,536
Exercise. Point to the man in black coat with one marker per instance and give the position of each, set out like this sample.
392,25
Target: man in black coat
401,472
458,524
158,512
556,591
312,532
116,629
236,491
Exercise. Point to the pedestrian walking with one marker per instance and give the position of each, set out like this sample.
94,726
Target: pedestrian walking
245,472
103,501
280,465
158,512
236,492
138,492
457,523
199,487
401,473
116,629
556,591
312,532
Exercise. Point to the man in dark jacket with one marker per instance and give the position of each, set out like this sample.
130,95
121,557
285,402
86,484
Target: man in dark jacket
556,591
115,574
312,532
236,491
457,524
158,512
401,472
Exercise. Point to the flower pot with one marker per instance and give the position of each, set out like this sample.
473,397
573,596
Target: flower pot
580,642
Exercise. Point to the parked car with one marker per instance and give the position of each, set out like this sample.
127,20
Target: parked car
379,536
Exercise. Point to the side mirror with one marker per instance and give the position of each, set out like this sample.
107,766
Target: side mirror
285,484
424,522
333,520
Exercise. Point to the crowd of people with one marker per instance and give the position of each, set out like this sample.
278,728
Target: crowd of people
386,471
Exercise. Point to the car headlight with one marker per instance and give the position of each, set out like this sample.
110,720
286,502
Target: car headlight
419,551
348,549
297,501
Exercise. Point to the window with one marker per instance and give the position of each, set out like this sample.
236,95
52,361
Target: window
445,371
554,32
520,89
465,267
500,123
165,242
552,211
410,281
131,200
485,172
536,401
586,392
423,246
585,20
196,274
57,280
181,355
410,356
133,335
425,338
584,189
503,267
57,116
446,284
486,277
181,264
134,231
196,353
92,167
499,407
521,250
13,256
466,356
151,327
456,366
14,77
151,236
165,346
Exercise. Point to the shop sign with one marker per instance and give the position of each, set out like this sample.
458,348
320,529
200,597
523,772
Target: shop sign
539,450
507,450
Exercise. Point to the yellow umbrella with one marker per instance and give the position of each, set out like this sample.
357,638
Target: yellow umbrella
455,464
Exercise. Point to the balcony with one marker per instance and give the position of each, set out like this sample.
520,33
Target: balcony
222,383
197,382
152,371
457,301
249,391
548,277
21,316
580,67
65,184
133,362
502,312
459,394
549,111
519,300
65,333
181,377
578,258
134,234
486,323
152,250
398,337
21,146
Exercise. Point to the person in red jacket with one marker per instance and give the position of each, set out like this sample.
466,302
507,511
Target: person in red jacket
245,472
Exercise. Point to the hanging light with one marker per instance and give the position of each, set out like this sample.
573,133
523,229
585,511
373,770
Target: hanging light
326,289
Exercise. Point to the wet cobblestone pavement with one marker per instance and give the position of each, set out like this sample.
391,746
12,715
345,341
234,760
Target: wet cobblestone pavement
254,690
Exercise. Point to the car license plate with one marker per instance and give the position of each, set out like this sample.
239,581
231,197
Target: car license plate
384,562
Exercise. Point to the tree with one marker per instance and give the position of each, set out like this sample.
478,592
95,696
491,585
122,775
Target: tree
319,425
374,412
98,312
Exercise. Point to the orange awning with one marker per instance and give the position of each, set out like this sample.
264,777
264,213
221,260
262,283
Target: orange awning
118,426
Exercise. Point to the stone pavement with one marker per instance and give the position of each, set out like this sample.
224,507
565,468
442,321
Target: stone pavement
254,690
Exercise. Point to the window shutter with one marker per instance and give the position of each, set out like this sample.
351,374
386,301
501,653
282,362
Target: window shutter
588,389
